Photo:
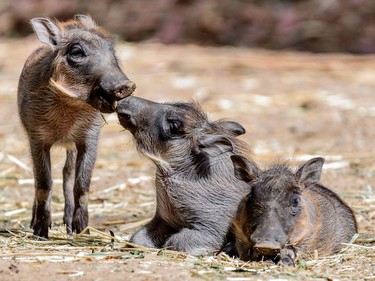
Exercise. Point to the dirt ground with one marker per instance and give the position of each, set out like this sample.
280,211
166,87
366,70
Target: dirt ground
293,106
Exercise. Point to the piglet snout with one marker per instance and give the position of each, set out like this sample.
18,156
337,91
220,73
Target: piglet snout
127,90
267,248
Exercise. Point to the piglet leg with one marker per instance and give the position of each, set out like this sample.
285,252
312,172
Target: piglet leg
86,155
68,184
153,234
288,256
41,219
195,242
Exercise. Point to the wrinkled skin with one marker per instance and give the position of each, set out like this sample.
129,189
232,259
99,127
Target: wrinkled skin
196,192
63,88
287,212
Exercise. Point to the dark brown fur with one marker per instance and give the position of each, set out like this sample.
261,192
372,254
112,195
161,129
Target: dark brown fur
63,87
196,191
287,212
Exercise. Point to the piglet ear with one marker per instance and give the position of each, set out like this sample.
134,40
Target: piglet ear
309,173
87,21
244,169
46,31
214,145
236,128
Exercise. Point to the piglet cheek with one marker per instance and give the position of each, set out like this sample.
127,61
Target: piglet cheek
302,228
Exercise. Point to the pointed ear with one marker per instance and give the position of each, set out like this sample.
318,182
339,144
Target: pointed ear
236,128
46,31
244,169
87,21
214,145
309,173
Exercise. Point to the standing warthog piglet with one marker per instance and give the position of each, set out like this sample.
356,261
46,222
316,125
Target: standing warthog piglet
287,212
197,194
63,87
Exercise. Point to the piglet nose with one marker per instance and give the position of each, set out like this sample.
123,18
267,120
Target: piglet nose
124,90
267,247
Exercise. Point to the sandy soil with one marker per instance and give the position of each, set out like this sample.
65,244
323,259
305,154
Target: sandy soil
293,105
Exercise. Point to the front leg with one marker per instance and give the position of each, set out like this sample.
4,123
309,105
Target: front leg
86,155
288,256
196,242
153,234
41,213
229,245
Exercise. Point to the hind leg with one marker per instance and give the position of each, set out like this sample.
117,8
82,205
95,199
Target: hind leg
68,184
86,155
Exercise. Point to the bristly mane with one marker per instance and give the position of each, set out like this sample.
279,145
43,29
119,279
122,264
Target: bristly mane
278,174
73,24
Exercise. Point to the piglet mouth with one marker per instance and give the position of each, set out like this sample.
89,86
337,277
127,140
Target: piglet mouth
264,251
256,256
103,101
126,120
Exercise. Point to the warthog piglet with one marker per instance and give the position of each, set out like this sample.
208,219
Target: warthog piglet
63,88
197,192
287,212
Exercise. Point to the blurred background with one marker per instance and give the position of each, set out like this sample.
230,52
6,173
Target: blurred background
310,25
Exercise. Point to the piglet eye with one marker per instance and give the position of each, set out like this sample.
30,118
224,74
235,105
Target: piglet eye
77,51
175,127
296,204
76,54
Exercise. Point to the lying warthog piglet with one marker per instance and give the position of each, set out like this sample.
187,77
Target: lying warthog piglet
63,87
286,212
197,192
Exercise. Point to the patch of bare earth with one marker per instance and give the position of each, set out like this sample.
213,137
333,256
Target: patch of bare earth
293,105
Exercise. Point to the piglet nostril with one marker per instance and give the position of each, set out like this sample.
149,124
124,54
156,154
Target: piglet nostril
119,94
130,87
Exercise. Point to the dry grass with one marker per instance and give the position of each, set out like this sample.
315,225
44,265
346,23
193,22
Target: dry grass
21,246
